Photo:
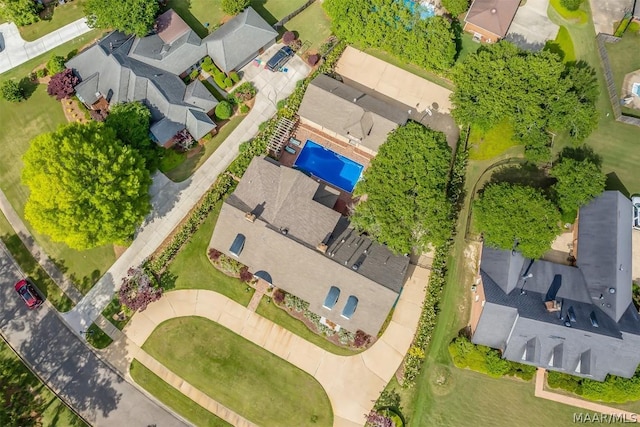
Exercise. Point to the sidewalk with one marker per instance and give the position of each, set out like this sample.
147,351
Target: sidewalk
17,51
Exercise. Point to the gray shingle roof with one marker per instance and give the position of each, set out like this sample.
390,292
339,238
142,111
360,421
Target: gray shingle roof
349,112
88,88
198,123
165,129
197,94
238,40
586,336
283,198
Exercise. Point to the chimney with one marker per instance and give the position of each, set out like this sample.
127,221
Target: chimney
322,248
251,217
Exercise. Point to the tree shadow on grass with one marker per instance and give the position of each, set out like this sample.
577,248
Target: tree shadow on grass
614,183
525,174
182,8
581,154
28,86
258,6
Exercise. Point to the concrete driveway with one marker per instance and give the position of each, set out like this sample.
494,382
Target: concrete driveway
607,12
17,51
65,363
531,27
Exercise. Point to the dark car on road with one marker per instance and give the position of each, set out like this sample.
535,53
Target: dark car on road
28,293
281,57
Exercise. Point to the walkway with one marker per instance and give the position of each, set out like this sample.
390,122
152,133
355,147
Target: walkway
579,403
353,383
17,51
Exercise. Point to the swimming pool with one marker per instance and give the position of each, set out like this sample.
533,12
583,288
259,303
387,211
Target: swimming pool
329,166
420,8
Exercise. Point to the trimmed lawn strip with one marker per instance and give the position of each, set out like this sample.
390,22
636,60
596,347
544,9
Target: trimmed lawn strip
173,398
239,374
278,316
187,167
579,16
58,16
487,145
311,25
565,44
28,264
53,410
193,270
96,337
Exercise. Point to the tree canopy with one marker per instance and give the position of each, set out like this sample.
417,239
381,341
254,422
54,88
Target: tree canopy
86,188
580,179
55,64
234,7
20,12
508,213
429,43
11,91
456,7
129,16
131,121
535,91
406,205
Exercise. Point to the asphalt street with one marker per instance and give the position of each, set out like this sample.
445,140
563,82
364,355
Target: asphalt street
68,366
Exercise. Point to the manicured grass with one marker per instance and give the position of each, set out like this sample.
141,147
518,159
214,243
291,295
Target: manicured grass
173,398
274,10
487,145
113,308
579,16
193,270
47,287
468,46
52,410
282,318
312,25
54,17
96,337
189,165
562,45
623,61
242,376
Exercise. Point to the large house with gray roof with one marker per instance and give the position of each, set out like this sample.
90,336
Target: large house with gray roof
577,319
280,223
121,68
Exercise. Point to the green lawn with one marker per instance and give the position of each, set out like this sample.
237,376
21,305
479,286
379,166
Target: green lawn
53,411
190,164
242,376
193,270
468,46
54,17
113,308
487,145
282,318
32,269
97,337
563,45
580,16
173,398
623,62
312,25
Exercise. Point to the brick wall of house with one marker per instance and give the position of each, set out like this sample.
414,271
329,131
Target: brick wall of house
487,36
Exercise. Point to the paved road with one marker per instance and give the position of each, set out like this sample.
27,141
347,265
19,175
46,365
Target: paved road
68,366
17,51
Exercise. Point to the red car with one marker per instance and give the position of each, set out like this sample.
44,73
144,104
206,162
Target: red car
28,292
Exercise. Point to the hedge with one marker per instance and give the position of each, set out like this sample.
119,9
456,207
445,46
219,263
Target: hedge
219,79
613,389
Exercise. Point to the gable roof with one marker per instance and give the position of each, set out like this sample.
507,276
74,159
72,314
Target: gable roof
493,15
231,45
349,112
284,199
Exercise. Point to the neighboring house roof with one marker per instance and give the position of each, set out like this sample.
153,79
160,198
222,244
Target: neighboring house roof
493,15
283,240
349,112
562,317
231,45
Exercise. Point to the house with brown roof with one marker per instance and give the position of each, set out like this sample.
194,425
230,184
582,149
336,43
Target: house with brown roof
489,20
280,223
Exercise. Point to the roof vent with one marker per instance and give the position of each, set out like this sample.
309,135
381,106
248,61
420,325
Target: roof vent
494,11
612,290
322,248
284,231
251,217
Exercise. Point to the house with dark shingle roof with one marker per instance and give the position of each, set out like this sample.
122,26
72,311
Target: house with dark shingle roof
121,68
489,20
280,223
578,320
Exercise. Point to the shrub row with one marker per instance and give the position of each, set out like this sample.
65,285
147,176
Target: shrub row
612,389
222,80
431,305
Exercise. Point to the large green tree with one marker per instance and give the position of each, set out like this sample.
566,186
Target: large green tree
129,16
20,12
508,213
86,188
390,25
11,91
131,121
406,205
579,181
233,7
456,7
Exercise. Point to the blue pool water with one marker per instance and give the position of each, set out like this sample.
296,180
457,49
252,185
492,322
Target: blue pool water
424,10
329,166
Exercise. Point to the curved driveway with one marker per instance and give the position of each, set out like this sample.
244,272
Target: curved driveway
64,362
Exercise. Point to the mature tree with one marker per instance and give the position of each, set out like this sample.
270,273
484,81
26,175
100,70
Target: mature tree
138,290
129,16
456,7
508,213
55,64
580,179
234,7
11,91
20,12
429,43
86,188
19,406
131,121
535,92
406,205
62,85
